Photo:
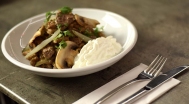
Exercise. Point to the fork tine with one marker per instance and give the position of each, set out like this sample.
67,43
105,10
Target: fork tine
160,68
154,65
151,64
157,68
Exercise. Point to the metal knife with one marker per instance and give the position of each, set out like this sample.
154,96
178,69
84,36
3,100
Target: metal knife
159,80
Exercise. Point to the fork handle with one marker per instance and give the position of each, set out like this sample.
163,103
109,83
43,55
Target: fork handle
114,91
134,97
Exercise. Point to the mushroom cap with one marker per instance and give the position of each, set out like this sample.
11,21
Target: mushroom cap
86,21
65,56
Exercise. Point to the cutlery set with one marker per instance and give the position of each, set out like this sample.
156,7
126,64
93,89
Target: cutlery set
152,72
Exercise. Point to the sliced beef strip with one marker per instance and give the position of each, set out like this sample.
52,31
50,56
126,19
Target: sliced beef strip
48,52
64,20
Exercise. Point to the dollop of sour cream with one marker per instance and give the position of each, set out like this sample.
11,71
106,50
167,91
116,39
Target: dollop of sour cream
96,51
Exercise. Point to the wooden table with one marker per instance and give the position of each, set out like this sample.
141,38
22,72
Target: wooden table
162,26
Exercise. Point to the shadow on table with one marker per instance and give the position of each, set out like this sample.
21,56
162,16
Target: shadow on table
6,100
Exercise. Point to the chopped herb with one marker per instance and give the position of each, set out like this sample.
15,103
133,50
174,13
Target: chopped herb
67,33
87,33
58,36
66,24
61,45
48,16
97,30
65,10
59,26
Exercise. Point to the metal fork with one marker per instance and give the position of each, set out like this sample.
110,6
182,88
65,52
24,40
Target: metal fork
150,72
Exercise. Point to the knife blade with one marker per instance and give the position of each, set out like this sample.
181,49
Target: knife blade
159,80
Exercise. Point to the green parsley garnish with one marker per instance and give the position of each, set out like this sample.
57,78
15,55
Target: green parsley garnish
58,36
97,30
87,33
66,24
61,45
48,16
67,33
65,10
59,26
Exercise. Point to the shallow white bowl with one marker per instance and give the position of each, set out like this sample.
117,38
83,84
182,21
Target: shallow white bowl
117,26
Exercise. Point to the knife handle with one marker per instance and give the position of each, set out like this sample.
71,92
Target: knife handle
134,96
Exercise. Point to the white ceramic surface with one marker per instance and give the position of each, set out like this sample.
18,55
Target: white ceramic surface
117,26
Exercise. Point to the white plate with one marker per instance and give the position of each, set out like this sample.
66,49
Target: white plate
117,26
